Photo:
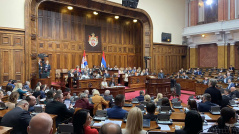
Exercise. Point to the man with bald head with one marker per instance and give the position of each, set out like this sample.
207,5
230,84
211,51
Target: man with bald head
40,124
32,102
234,92
110,128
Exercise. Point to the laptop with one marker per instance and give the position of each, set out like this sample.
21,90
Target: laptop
177,105
164,119
141,107
232,103
128,105
146,122
165,110
135,101
143,103
174,100
100,115
215,110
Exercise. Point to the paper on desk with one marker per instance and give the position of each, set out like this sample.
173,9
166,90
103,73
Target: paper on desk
206,117
164,127
236,108
112,121
43,99
206,127
97,124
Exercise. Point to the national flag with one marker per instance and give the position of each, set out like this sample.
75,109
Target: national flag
103,61
84,61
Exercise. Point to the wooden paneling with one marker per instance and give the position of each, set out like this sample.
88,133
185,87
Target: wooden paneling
61,34
11,56
169,58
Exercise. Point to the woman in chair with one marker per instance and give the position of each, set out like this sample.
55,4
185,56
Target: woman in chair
98,101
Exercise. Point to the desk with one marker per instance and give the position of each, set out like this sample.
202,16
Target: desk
155,86
114,90
187,84
137,81
5,130
200,88
180,117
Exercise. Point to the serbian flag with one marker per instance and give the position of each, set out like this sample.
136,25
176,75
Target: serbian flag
84,61
103,61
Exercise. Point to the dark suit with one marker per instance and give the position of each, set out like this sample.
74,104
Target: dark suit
152,117
216,96
230,85
161,75
232,68
18,119
109,98
110,83
198,73
107,75
60,110
205,82
140,98
225,100
205,107
235,93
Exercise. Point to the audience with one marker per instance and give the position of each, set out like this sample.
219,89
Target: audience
83,102
234,92
205,105
58,108
216,96
225,124
12,100
226,97
116,111
230,84
147,98
141,96
81,123
159,96
110,128
32,102
40,124
18,118
192,105
134,124
193,123
150,107
18,88
98,101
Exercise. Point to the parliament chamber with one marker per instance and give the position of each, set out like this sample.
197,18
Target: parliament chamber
133,66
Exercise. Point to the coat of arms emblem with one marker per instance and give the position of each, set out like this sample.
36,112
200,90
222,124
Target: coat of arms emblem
93,40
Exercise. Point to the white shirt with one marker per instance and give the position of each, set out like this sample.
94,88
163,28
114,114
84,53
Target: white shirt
104,84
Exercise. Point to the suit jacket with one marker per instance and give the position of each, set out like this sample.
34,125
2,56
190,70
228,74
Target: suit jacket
205,107
232,68
230,85
107,75
140,98
235,93
110,83
225,100
152,117
59,109
205,82
198,73
18,119
216,96
161,75
184,77
84,104
98,101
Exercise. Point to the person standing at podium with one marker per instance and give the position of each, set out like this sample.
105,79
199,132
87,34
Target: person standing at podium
104,83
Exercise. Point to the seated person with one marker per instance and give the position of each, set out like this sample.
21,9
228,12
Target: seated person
108,97
58,108
42,91
98,101
235,92
165,102
32,102
12,100
83,102
193,123
116,111
192,105
147,98
26,86
150,107
198,72
106,74
141,96
161,74
225,124
85,76
225,79
230,84
205,105
67,96
104,84
110,128
220,77
18,88
81,122
1,96
37,92
205,81
112,83
49,97
184,76
226,97
10,84
159,96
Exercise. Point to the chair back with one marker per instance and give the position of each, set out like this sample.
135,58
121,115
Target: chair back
65,129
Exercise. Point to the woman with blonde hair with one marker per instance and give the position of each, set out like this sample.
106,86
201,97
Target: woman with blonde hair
98,101
18,88
159,96
147,98
12,100
134,124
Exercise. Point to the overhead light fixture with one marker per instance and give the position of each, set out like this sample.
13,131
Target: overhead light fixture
95,13
203,35
116,17
70,8
209,2
135,20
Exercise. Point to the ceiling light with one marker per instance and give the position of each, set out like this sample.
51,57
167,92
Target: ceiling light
135,20
95,13
70,8
209,2
116,17
203,35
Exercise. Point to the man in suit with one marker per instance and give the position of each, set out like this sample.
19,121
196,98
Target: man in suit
198,72
32,102
229,76
235,92
231,68
161,74
225,79
205,105
112,83
205,81
184,76
150,107
215,94
102,68
225,98
220,77
40,124
146,71
116,111
18,118
58,108
106,74
141,96
134,69
230,84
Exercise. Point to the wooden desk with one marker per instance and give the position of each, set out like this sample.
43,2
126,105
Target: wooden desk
5,130
200,88
93,83
137,81
180,117
114,90
155,86
187,84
